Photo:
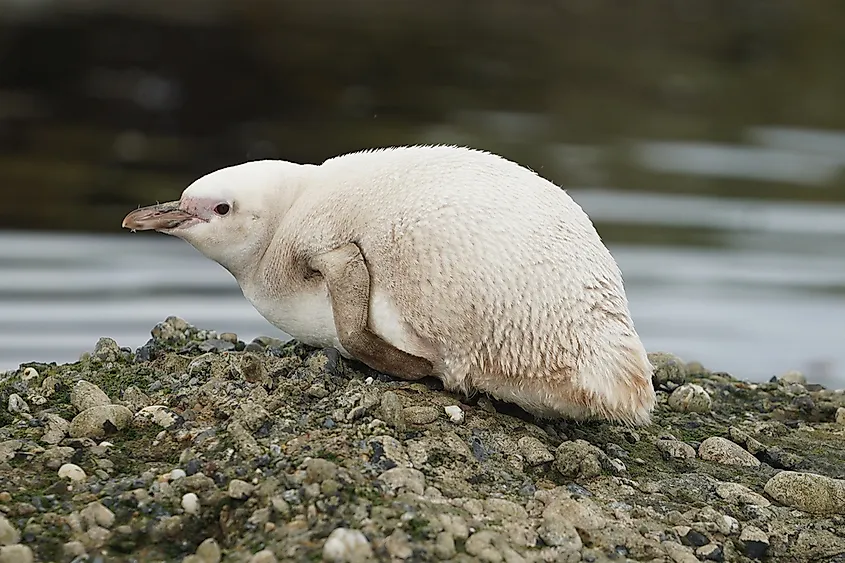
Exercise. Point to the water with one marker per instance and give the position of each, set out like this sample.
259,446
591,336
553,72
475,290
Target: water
769,298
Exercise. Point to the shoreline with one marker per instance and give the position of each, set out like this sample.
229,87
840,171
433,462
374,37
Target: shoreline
199,447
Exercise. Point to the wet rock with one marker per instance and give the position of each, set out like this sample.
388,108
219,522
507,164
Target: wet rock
722,450
579,459
420,415
347,546
72,472
158,415
100,421
808,492
16,553
534,451
667,367
755,542
675,449
8,533
690,398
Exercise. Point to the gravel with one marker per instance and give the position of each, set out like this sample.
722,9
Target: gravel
204,449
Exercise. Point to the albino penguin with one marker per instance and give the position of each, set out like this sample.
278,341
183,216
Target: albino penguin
428,261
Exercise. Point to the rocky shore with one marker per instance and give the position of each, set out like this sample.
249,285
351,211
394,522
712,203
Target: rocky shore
200,448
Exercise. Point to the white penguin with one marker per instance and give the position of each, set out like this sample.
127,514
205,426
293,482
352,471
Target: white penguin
428,260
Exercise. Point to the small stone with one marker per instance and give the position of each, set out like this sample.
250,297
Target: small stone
558,531
318,390
667,367
398,546
177,474
239,490
406,478
72,472
318,470
347,546
534,451
216,345
29,374
679,553
263,556
209,551
190,503
106,350
755,542
741,493
17,405
8,533
391,410
95,514
794,376
134,399
809,492
73,549
579,459
840,416
690,398
55,457
722,450
675,449
420,415
97,422
56,429
158,415
710,552
9,448
229,337
456,413
444,545
16,553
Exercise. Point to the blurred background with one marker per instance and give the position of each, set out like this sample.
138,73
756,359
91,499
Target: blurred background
706,138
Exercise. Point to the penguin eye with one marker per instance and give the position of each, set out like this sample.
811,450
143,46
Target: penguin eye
222,208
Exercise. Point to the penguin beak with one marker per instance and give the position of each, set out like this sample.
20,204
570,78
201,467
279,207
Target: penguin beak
159,217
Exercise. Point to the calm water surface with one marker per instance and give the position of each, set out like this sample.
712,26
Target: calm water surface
770,300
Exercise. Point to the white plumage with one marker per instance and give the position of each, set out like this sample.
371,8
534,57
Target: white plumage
479,265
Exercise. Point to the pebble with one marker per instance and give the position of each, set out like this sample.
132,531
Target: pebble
73,549
808,492
755,542
86,395
72,472
840,416
191,503
667,367
106,350
17,405
722,450
96,422
56,429
209,551
690,398
239,490
391,410
420,415
406,478
29,374
794,376
177,474
8,533
579,459
16,553
160,415
347,546
456,413
534,451
55,457
741,493
263,556
675,449
95,514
